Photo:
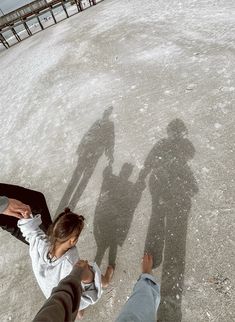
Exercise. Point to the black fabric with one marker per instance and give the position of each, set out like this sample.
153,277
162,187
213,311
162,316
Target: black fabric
63,304
34,199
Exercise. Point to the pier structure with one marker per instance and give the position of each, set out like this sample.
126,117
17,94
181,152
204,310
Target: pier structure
22,18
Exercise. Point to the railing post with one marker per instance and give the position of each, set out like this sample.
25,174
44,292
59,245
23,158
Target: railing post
40,22
15,34
51,11
62,3
27,28
79,5
4,41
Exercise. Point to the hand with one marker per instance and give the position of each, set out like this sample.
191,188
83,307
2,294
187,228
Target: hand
87,274
142,174
82,264
147,263
17,209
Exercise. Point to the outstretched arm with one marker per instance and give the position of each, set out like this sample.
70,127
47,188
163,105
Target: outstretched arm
31,231
108,171
152,159
109,149
13,207
64,301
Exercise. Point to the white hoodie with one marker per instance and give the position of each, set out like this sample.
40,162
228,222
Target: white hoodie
47,273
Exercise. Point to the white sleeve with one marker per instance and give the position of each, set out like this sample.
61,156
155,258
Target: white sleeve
91,292
30,229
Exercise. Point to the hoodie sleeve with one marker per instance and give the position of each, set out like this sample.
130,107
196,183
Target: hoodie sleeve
30,229
4,202
91,293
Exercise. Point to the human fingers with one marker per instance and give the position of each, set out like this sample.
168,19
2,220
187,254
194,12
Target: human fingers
13,213
23,206
17,215
16,206
82,263
28,210
25,215
25,211
22,213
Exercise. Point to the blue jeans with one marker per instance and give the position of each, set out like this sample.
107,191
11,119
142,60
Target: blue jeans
144,301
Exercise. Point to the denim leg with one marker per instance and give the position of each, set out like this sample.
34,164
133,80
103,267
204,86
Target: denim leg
143,303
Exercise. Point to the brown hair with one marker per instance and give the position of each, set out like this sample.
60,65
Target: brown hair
66,224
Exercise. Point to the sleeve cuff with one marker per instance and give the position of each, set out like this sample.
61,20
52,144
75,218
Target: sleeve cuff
32,222
4,202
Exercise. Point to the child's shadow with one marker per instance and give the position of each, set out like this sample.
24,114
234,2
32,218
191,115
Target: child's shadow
114,212
172,185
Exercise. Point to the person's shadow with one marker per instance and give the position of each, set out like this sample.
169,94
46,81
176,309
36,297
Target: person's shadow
98,140
172,185
115,209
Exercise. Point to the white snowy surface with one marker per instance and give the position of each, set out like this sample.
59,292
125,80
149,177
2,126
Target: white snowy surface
153,61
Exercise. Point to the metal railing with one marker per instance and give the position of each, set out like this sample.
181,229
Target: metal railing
22,18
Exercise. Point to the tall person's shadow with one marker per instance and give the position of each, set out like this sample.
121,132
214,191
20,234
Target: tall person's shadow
115,209
98,140
172,185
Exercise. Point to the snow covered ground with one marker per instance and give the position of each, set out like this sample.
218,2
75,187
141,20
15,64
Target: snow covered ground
154,62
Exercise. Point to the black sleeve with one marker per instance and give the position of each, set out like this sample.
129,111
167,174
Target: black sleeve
63,304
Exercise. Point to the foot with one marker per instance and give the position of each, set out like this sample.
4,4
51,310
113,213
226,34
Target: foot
147,264
106,279
80,315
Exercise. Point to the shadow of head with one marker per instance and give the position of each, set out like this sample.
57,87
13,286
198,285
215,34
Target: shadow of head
177,129
126,171
177,132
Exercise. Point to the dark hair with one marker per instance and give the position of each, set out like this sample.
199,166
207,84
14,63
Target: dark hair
66,224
